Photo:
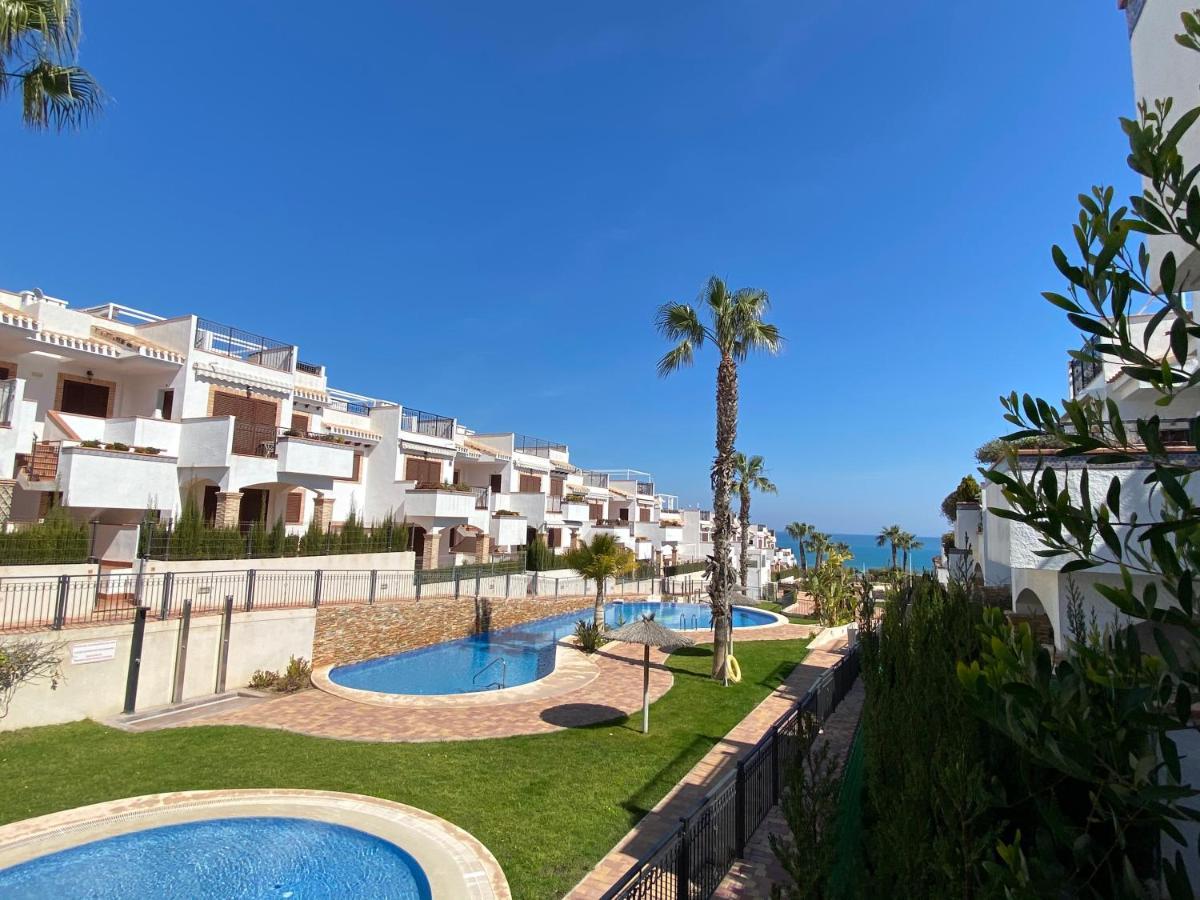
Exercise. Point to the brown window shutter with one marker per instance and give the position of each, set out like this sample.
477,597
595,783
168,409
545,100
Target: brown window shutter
300,422
295,508
425,471
645,514
554,538
556,487
596,511
531,484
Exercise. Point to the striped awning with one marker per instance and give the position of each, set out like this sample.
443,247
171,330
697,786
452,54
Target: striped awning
214,371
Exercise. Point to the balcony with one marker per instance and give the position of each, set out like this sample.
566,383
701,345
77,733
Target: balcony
575,510
508,531
431,501
225,340
1083,372
313,454
536,446
415,421
113,476
613,525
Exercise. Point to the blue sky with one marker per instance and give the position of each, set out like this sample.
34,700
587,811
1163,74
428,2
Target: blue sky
475,208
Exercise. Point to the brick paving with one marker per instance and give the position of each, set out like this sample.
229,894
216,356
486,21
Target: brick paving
720,760
753,877
616,692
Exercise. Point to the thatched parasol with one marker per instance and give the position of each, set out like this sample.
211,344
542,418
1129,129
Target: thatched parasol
649,633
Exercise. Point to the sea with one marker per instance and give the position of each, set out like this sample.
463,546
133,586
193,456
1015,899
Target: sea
867,554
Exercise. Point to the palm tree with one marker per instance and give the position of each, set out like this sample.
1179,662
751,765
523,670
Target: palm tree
749,474
889,535
736,329
907,542
39,43
799,532
605,557
818,543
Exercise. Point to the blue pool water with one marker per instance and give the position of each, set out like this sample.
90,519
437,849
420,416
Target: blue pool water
259,858
457,667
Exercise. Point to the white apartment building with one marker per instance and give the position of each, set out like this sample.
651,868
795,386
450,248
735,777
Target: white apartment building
111,412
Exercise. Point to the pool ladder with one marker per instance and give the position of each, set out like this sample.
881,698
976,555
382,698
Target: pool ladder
695,620
499,685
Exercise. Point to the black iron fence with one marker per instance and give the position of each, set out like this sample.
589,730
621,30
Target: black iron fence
244,345
691,861
419,422
170,540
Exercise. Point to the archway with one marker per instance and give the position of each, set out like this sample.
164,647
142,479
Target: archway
416,540
1028,607
462,538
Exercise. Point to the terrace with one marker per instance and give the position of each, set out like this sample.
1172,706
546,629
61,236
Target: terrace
523,443
1083,372
225,340
416,421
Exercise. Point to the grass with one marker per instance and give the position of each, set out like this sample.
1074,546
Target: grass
548,806
795,620
849,859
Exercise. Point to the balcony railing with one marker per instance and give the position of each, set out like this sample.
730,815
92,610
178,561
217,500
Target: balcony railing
596,479
482,497
309,368
243,345
8,393
253,439
645,487
1084,372
536,446
610,523
554,504
418,422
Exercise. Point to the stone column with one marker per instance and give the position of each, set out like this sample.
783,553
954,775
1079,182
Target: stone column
229,505
483,548
323,512
8,489
433,549
576,540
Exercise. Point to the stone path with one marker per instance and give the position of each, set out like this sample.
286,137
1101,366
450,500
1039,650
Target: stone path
721,759
751,878
616,692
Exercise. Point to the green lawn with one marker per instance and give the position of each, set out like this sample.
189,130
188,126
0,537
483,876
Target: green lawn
548,806
795,620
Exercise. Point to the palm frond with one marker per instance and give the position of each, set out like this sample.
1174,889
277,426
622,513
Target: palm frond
39,26
757,335
62,97
679,322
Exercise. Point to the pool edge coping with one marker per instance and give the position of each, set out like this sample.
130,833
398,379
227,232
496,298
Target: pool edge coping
458,853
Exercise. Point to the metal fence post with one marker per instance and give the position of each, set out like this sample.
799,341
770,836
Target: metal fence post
683,864
739,810
317,588
417,583
135,659
251,578
223,658
167,588
181,650
774,764
478,580
508,584
60,604
374,584
556,588
456,583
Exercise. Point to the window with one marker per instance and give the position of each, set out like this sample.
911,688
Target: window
294,512
556,487
497,483
623,514
531,484
644,514
300,422
424,471
554,538
166,403
7,370
596,511
255,419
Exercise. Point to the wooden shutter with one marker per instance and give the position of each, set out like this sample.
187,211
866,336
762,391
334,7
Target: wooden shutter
556,487
554,538
644,514
497,483
254,420
294,513
168,404
596,511
300,422
531,484
425,471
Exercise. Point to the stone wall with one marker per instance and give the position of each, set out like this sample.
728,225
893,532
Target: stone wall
352,633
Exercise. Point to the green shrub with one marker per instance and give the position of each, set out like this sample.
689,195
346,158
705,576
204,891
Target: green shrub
684,568
56,539
539,557
296,677
589,636
262,680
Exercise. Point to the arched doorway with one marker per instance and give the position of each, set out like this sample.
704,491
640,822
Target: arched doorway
462,538
1028,608
416,540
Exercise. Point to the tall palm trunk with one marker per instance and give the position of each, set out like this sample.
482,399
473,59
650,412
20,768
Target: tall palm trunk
803,557
722,483
893,554
599,614
744,519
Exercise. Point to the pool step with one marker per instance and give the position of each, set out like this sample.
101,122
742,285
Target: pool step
188,711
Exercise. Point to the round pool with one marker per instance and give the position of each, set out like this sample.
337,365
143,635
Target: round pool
511,657
265,843
259,857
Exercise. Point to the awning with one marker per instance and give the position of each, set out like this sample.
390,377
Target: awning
215,371
416,449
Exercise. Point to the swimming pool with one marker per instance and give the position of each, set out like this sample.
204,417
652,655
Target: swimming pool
527,651
252,857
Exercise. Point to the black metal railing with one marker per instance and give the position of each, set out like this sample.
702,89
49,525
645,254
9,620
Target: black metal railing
8,391
482,497
419,422
692,861
310,368
244,345
596,479
536,446
1084,371
645,487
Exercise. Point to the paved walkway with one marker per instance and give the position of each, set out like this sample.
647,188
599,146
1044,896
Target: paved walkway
752,878
721,759
616,692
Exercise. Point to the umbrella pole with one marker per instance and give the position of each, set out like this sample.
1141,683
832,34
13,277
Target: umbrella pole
646,692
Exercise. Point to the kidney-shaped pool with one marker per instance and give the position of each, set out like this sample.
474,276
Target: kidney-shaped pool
510,657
